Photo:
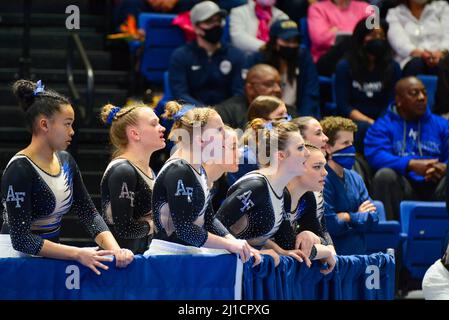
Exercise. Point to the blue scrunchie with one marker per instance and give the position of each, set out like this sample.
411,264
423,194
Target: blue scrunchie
268,125
178,115
39,88
112,114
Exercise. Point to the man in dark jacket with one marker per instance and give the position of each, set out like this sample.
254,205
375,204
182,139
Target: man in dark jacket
409,148
206,71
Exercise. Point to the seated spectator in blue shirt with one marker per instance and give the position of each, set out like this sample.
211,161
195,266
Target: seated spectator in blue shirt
365,79
300,86
349,210
409,148
206,72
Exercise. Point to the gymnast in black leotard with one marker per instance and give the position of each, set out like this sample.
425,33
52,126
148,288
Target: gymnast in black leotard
42,183
254,208
305,204
127,184
181,199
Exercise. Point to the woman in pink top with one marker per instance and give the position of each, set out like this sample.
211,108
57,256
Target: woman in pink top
328,19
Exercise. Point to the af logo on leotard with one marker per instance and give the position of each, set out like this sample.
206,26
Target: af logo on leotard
184,191
18,197
126,194
246,201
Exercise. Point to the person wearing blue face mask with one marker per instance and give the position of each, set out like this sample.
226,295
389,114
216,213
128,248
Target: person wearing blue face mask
349,211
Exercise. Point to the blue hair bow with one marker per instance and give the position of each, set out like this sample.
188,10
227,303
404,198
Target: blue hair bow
268,125
112,114
39,88
178,115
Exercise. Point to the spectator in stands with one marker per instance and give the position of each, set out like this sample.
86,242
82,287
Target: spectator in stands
261,80
330,23
349,211
365,80
127,183
206,72
183,214
268,108
250,24
418,34
409,148
306,203
300,87
42,182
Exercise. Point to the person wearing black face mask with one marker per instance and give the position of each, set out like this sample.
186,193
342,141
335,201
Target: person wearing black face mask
365,79
295,65
349,211
206,71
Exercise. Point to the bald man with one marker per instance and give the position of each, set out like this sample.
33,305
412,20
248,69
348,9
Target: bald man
409,146
261,80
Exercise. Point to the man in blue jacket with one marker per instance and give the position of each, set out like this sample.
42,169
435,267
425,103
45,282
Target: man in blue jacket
349,211
409,148
206,71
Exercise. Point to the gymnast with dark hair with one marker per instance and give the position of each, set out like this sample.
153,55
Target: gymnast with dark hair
42,182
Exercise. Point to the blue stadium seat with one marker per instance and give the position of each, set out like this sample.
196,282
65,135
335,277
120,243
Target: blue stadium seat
304,30
387,234
330,107
430,82
161,39
426,225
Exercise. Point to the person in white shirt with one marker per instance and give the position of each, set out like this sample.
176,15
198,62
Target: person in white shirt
418,34
250,24
435,285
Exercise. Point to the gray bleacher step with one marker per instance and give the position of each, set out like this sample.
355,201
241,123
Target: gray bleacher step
54,59
92,180
93,159
12,115
50,76
102,94
47,6
55,39
87,21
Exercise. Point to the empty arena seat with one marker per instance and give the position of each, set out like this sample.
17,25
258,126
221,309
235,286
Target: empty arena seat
426,225
161,39
386,234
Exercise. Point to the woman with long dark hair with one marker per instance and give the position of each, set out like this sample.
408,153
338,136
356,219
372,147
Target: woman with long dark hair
365,79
